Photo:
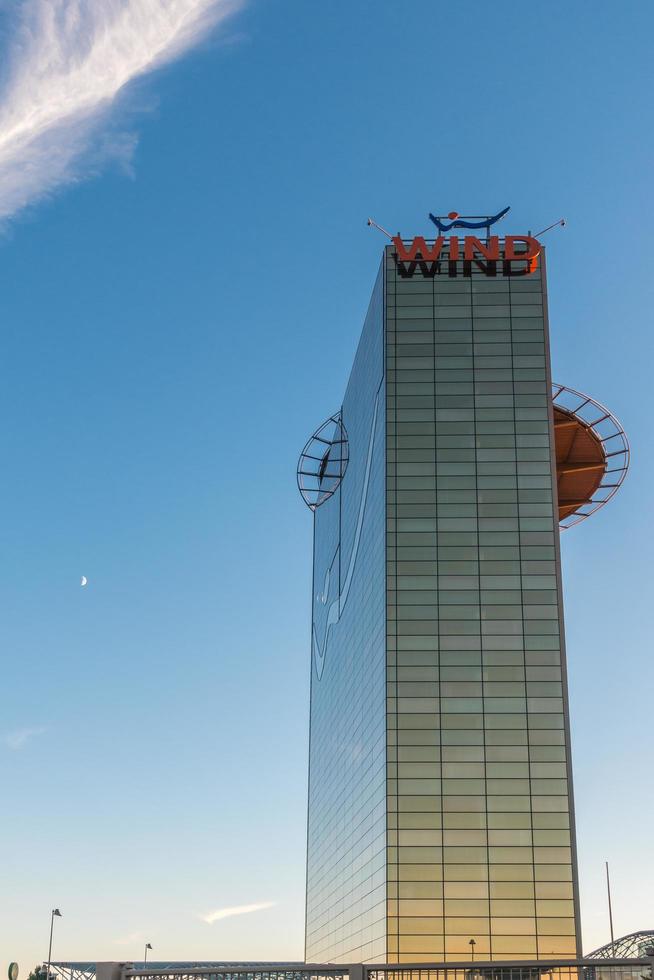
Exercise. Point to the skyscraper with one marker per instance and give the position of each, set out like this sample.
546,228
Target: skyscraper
441,821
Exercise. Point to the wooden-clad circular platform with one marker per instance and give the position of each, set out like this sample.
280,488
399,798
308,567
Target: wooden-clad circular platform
592,454
580,462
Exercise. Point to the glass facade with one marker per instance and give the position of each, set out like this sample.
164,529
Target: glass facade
346,859
617,970
469,754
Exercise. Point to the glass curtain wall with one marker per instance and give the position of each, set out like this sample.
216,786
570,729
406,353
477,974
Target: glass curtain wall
480,852
346,872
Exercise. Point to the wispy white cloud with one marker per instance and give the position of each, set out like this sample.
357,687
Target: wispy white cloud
65,64
17,739
226,913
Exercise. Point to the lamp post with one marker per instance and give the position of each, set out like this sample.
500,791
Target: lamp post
608,892
52,918
145,953
472,945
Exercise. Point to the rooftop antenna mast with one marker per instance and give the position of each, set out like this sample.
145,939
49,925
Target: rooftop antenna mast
556,224
373,224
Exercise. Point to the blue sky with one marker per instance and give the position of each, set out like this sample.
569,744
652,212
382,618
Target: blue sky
173,328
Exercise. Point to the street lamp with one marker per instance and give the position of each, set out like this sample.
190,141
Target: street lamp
52,918
145,953
472,945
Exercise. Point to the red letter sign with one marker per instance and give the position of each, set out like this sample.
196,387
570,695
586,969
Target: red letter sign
418,247
491,252
530,255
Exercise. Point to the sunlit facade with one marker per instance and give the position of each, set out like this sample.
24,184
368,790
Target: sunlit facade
440,801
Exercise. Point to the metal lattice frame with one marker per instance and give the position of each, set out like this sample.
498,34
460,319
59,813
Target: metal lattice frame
250,972
602,967
203,970
71,971
323,462
635,944
609,432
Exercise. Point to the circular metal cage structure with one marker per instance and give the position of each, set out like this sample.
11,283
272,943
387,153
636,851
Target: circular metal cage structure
636,945
591,449
323,462
592,454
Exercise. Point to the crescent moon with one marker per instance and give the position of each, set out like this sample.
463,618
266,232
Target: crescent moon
84,580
